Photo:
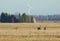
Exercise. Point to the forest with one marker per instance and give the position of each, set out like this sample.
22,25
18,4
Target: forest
11,18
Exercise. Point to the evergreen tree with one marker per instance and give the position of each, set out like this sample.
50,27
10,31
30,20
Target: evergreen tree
32,19
24,17
3,17
20,18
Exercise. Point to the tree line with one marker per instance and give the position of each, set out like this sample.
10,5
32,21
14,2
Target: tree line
7,18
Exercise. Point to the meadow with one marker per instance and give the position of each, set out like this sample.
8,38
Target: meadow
30,31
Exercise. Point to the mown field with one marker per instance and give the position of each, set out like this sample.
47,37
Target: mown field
30,32
29,38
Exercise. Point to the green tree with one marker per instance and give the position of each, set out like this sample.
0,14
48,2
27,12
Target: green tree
2,16
32,19
24,17
20,18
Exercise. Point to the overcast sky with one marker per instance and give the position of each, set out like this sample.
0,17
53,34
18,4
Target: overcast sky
37,7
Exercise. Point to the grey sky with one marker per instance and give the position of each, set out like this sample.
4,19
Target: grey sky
38,7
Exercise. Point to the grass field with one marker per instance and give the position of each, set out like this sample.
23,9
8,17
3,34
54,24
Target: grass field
30,32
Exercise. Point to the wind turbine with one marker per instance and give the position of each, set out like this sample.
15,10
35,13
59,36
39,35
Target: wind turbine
29,7
28,2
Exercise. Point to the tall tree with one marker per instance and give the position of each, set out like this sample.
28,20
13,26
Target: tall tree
32,19
2,17
24,17
20,18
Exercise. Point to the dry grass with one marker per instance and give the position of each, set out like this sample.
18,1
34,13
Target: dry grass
29,31
29,38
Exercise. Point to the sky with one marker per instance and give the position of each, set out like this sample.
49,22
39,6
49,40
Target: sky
30,7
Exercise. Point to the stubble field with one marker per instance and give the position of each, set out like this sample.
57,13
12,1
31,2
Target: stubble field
30,31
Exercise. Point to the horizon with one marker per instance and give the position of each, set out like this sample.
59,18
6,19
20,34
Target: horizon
29,15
